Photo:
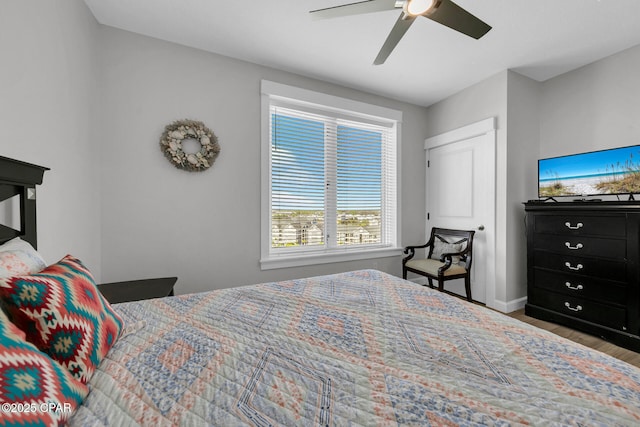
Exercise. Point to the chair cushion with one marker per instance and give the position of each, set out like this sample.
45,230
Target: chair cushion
442,246
431,266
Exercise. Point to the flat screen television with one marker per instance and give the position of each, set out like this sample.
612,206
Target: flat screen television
614,171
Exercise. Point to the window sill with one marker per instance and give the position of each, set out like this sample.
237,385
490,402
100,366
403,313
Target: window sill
325,258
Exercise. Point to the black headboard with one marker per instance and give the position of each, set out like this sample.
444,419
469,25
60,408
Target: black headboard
20,179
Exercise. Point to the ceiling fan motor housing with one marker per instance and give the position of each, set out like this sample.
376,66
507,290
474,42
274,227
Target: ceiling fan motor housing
423,7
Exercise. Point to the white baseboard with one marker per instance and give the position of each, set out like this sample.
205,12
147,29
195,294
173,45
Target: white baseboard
504,307
510,306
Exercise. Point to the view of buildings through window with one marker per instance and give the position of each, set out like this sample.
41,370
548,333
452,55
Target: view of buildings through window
326,181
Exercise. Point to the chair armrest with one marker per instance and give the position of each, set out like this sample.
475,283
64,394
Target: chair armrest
411,250
448,258
408,250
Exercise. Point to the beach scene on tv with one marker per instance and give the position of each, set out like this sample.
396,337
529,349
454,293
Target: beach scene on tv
615,171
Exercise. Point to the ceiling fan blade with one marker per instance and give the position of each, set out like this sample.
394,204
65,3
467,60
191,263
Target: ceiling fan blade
453,16
354,9
401,26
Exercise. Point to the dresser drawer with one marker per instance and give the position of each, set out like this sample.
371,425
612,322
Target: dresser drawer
582,246
591,311
581,286
587,225
593,267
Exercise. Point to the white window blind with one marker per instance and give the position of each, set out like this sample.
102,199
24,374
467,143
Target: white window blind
298,179
333,184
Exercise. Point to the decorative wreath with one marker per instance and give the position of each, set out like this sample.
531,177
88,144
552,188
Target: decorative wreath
178,131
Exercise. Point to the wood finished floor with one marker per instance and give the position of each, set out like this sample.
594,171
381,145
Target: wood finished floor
599,344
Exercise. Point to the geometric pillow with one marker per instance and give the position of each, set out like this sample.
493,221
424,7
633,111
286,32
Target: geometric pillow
30,380
62,312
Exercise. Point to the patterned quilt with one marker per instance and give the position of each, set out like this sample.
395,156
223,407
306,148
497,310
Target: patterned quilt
360,348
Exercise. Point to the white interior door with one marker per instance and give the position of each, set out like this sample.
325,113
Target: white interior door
461,195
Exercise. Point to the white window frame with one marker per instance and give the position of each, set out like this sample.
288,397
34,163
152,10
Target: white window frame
272,259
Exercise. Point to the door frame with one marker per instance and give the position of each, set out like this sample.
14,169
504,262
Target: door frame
486,128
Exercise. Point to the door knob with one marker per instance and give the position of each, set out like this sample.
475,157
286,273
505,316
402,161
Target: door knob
481,227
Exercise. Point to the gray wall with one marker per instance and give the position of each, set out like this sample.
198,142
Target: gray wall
592,108
523,106
205,227
483,100
48,82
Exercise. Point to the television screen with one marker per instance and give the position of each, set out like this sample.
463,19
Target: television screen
613,171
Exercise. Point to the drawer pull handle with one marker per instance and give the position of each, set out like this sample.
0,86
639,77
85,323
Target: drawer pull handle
578,246
574,227
570,267
576,308
574,288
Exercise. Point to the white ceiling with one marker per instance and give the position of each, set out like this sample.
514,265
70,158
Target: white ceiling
537,38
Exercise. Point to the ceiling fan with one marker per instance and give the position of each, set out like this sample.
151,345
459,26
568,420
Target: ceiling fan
444,12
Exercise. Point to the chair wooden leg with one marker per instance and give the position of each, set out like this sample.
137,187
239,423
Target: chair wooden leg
404,273
467,287
430,282
440,285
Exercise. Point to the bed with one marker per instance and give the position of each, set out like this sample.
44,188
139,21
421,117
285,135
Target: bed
358,348
355,348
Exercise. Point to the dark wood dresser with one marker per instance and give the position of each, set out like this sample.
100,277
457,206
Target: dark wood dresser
583,267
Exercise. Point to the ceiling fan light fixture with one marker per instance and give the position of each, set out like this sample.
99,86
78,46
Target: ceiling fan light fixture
418,7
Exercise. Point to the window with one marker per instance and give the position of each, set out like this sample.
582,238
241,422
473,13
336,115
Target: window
329,178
